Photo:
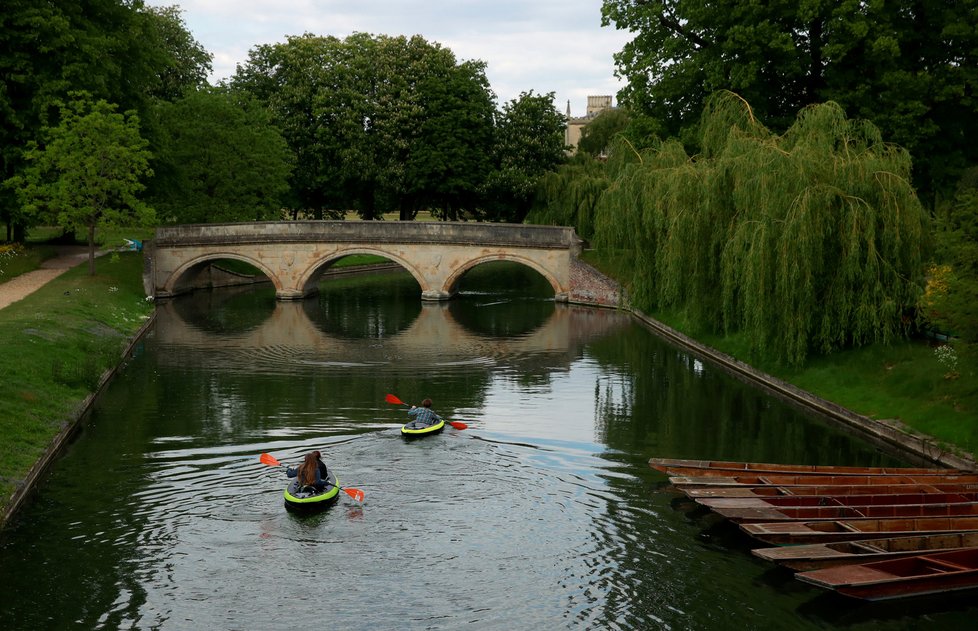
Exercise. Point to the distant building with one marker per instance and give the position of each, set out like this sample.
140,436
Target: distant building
572,135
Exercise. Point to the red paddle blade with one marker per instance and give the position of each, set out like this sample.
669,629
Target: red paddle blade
392,399
356,494
269,459
457,424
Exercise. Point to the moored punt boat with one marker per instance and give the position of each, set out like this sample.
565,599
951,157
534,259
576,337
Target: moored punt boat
800,532
874,499
679,466
933,573
814,513
786,480
825,490
803,558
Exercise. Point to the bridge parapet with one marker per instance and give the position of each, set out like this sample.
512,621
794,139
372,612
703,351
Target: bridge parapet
457,233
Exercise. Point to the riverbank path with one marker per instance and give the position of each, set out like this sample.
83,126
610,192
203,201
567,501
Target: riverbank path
19,287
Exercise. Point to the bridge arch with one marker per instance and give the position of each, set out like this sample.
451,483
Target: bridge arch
310,279
189,273
451,283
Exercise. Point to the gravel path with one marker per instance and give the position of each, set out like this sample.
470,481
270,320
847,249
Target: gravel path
21,286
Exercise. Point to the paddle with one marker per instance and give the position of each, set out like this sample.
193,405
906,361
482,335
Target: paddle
270,460
392,399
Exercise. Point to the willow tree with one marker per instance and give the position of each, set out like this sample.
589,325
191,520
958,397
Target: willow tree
806,241
569,195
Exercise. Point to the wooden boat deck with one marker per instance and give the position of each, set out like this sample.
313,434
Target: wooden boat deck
799,532
789,480
837,500
679,466
822,555
866,532
696,492
909,576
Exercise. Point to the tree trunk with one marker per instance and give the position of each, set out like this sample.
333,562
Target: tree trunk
91,250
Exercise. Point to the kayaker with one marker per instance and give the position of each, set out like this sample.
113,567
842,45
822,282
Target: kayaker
312,472
423,416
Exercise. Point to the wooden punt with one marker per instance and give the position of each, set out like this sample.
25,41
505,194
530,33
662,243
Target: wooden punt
679,466
815,513
786,480
934,573
815,556
874,499
825,531
826,490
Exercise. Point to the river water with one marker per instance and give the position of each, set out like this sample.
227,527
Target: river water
543,514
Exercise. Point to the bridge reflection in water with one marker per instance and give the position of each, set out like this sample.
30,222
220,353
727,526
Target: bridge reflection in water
435,330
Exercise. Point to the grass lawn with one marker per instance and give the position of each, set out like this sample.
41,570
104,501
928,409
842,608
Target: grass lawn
16,260
57,343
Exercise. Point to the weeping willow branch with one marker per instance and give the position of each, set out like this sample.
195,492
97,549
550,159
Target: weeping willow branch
809,241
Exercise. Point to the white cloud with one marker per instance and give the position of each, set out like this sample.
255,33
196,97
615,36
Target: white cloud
544,46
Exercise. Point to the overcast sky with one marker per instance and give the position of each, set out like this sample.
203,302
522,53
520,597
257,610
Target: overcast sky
541,45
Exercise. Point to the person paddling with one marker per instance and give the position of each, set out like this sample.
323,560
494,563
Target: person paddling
423,416
312,472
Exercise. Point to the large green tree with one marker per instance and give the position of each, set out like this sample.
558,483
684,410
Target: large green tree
910,67
182,62
116,50
599,132
376,123
88,172
807,241
301,84
219,159
529,142
951,299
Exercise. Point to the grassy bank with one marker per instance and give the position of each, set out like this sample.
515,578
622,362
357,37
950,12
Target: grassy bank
905,382
58,341
16,260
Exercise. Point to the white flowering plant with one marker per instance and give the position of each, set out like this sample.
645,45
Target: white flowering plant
948,358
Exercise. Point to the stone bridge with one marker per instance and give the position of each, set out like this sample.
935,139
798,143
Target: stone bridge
295,254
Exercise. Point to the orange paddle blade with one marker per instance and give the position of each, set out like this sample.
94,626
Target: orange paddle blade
392,399
356,494
457,424
269,459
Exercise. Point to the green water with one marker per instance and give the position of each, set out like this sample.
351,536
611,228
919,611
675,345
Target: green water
542,514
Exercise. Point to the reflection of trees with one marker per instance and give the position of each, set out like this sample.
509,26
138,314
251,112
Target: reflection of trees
347,306
86,503
678,406
502,299
227,309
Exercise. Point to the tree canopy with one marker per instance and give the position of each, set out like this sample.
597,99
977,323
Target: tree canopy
115,50
529,143
951,298
376,122
88,172
218,159
909,67
807,241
